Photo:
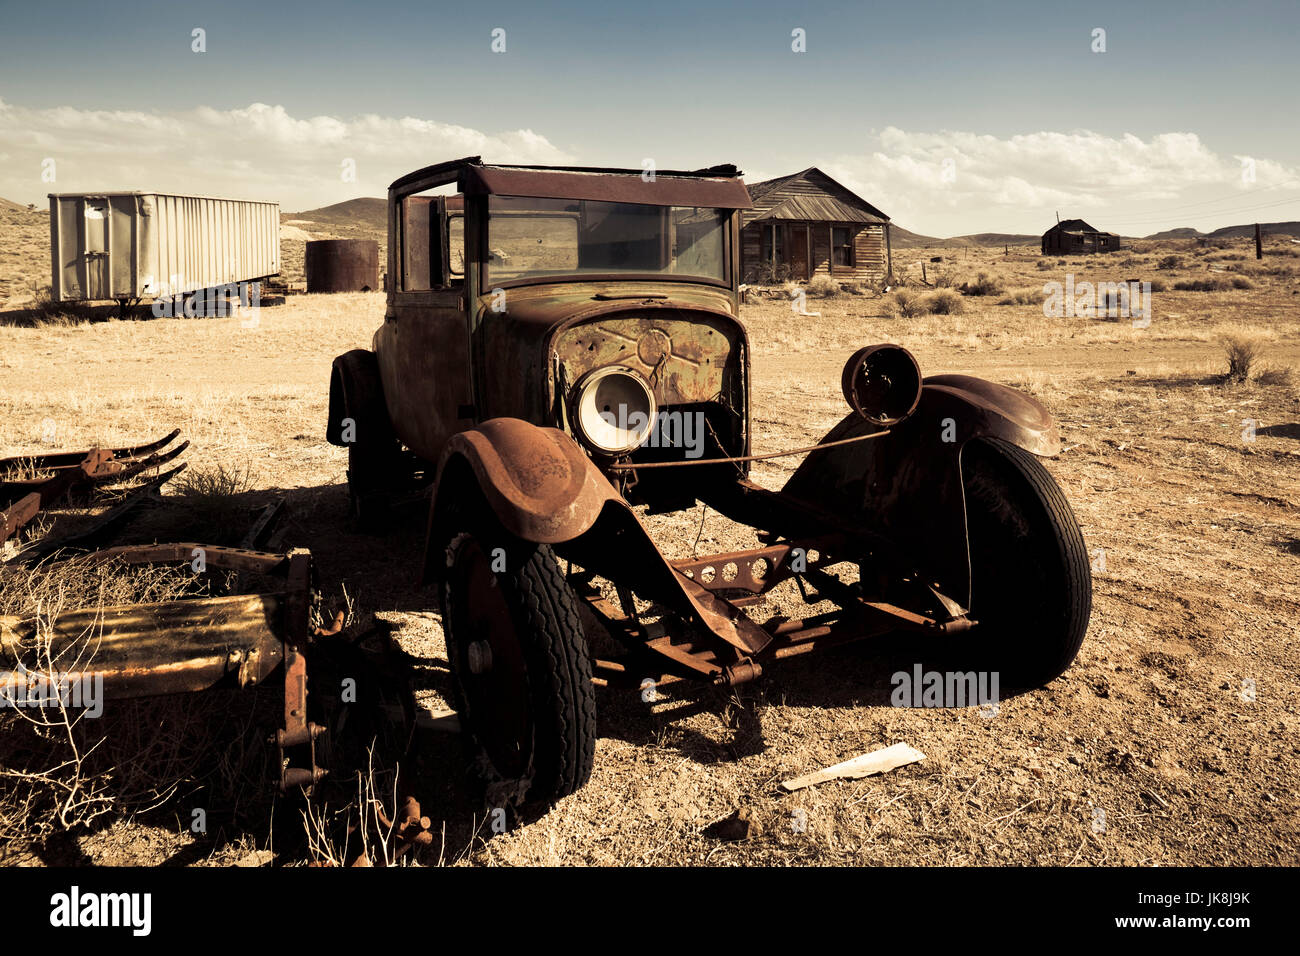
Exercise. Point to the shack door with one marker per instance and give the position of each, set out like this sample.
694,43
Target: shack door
96,222
798,247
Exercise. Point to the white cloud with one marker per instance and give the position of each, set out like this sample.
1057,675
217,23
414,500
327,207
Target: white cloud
1017,183
256,152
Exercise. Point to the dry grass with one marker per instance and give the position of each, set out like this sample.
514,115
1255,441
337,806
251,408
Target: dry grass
823,287
1198,528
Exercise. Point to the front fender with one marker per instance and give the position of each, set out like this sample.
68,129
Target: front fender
540,484
907,485
980,408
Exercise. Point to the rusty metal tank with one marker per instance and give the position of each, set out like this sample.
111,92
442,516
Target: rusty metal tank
342,265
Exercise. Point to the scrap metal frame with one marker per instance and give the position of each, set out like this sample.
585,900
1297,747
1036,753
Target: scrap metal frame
184,646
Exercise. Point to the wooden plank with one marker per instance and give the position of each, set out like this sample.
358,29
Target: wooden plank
878,761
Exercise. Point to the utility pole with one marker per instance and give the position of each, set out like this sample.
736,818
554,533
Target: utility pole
1259,243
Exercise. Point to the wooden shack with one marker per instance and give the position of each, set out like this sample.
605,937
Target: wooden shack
806,224
1076,237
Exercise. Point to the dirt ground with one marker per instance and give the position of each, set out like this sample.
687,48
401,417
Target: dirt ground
1171,740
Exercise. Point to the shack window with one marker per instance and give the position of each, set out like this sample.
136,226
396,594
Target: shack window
842,245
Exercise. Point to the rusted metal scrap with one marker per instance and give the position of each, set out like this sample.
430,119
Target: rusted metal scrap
61,474
184,646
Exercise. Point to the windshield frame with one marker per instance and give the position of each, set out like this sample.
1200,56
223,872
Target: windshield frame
728,220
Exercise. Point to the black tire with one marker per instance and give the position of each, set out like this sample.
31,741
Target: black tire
375,464
1031,583
532,713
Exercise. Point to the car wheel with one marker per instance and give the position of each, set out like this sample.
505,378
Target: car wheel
1031,584
519,661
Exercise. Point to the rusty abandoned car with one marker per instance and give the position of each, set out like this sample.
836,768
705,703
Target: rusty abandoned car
552,338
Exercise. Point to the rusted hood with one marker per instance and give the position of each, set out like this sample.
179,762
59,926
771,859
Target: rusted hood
521,337
537,310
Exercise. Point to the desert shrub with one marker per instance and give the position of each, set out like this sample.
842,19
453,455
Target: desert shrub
1241,282
900,279
768,274
1170,262
944,302
1286,271
1061,262
1241,347
1043,265
984,284
908,304
852,288
1159,285
213,510
1023,297
1203,285
823,287
943,278
1276,376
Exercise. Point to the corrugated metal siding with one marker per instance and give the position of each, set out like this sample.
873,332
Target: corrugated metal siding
152,243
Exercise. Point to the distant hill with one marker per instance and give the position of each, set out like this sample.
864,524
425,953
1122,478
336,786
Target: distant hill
355,218
1182,232
998,239
1245,231
9,204
900,238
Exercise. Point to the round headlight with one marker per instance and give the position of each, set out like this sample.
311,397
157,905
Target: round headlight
614,409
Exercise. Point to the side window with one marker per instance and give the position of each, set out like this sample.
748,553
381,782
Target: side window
456,245
419,243
432,244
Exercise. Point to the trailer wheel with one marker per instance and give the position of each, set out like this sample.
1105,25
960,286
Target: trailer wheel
520,669
1031,583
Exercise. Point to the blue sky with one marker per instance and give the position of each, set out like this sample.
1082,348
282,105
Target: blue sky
952,117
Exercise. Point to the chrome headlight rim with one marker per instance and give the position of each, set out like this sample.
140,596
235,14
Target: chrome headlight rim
590,417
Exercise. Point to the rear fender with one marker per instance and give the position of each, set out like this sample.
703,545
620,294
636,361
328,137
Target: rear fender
907,485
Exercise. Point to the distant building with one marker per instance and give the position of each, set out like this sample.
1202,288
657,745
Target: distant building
1074,236
806,224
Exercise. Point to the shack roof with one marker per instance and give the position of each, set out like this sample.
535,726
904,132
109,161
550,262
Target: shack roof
822,206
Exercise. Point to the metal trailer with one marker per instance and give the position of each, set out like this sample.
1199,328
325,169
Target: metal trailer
133,245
